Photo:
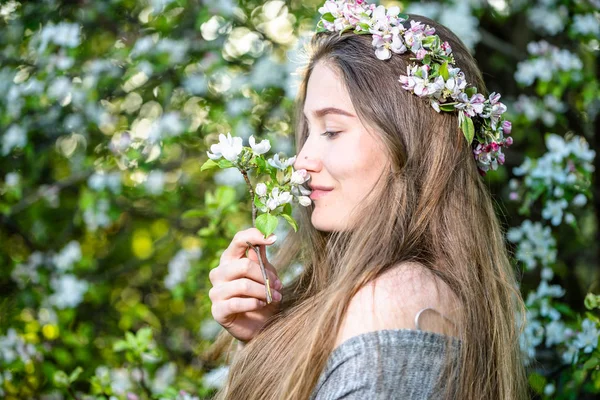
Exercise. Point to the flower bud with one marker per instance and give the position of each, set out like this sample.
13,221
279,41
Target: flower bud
506,127
299,177
304,201
261,189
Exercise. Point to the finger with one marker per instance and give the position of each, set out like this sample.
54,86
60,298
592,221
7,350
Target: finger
251,254
237,247
242,268
240,288
222,310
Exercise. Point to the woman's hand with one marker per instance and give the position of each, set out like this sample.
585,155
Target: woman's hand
238,295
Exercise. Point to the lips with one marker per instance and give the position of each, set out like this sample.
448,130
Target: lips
319,191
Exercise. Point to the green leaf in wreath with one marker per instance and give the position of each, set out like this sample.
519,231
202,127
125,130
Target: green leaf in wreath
328,17
468,129
266,223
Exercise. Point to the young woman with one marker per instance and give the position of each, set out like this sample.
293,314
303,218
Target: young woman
407,291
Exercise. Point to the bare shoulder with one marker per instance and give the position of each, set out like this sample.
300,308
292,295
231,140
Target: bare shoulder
393,300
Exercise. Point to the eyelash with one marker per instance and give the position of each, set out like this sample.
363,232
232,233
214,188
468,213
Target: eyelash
330,134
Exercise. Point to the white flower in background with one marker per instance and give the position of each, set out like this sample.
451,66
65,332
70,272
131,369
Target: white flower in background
299,177
68,291
571,355
545,290
180,265
260,148
547,273
169,125
261,189
532,336
61,89
63,34
548,19
97,216
549,389
580,200
120,381
556,333
237,106
554,211
536,245
545,61
176,49
15,136
27,273
164,377
155,182
101,180
6,12
216,378
12,179
68,256
587,339
281,164
229,148
586,24
13,347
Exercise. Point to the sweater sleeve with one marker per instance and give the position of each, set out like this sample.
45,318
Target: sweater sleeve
388,364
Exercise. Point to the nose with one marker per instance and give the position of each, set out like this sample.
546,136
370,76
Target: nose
308,158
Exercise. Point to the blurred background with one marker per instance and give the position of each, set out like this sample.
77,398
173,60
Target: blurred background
108,229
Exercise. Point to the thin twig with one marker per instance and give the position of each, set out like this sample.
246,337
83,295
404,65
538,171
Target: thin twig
257,248
263,270
245,174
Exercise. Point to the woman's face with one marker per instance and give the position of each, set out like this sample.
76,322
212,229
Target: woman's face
342,156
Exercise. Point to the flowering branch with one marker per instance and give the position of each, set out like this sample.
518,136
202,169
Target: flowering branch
280,184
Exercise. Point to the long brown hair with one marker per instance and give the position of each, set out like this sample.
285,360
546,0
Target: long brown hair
433,208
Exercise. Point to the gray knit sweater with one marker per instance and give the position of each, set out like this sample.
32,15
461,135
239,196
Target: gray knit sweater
410,366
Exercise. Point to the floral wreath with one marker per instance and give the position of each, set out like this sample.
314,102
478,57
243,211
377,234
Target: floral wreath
436,78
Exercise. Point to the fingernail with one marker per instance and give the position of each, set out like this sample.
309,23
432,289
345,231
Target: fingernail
278,284
277,296
272,239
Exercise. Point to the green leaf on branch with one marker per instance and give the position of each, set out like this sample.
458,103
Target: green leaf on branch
468,129
75,374
225,164
195,213
209,164
291,221
287,209
259,204
61,379
266,224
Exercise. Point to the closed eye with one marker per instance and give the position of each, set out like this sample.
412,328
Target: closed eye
330,134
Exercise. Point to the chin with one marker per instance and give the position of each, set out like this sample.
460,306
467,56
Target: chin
320,223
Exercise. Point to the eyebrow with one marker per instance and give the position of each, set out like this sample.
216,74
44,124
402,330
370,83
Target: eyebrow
331,110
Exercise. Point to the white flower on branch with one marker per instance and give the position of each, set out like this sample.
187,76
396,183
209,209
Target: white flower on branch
259,148
229,148
281,163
